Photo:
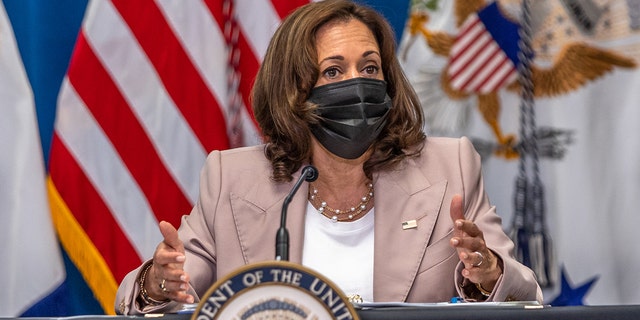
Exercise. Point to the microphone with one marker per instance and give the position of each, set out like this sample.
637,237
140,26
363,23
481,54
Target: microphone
310,174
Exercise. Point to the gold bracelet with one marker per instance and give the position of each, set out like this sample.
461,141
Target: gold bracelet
144,295
482,290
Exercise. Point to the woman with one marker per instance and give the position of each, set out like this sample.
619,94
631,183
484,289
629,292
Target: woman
393,216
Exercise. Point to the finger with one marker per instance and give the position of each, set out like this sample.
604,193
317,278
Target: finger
473,259
166,281
475,275
175,286
469,244
175,276
168,285
170,235
456,210
166,256
486,273
174,290
180,296
468,227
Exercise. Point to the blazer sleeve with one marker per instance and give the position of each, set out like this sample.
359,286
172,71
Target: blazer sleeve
194,231
518,282
127,296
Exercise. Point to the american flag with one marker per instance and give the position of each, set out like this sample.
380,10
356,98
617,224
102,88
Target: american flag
152,87
483,57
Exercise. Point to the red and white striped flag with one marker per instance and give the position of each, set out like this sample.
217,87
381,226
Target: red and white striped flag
483,57
152,87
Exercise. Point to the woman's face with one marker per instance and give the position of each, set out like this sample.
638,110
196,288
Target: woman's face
347,50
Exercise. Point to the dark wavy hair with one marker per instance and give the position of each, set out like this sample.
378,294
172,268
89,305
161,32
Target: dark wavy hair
290,70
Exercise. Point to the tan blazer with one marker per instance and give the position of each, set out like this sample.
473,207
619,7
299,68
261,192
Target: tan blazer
238,212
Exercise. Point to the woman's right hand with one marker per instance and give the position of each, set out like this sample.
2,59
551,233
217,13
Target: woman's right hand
168,280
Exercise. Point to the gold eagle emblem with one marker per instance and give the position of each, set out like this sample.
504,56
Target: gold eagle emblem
577,64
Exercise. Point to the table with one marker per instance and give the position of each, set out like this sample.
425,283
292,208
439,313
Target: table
497,313
617,312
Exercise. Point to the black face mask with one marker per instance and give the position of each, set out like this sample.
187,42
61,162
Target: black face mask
352,114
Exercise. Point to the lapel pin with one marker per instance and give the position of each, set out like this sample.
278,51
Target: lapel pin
409,224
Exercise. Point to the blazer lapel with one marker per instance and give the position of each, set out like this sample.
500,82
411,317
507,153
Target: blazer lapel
257,217
407,205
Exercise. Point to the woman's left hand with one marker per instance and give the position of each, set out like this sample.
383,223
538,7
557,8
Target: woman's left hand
481,265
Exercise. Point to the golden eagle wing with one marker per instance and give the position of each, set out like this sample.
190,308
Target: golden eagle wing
578,64
440,43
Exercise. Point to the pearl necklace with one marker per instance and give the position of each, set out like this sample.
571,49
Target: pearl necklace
333,214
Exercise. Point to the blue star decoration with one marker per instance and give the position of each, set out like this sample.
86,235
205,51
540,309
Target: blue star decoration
570,296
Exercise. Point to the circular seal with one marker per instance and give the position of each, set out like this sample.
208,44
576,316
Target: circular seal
274,290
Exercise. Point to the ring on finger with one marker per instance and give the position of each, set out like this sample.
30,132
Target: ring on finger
477,264
163,287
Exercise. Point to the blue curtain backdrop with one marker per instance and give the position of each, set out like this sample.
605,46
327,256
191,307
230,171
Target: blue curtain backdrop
46,32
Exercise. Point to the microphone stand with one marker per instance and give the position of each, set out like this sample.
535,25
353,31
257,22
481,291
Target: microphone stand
309,174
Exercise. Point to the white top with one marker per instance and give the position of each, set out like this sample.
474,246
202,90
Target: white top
341,251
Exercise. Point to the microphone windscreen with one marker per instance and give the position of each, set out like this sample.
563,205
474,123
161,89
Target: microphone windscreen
311,173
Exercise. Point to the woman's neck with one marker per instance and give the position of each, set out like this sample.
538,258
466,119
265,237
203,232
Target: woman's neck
341,182
336,172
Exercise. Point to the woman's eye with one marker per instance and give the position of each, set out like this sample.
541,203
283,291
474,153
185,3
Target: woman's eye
371,70
331,72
